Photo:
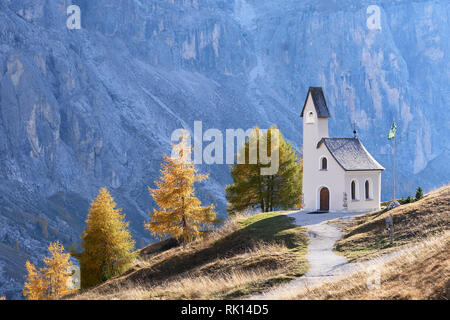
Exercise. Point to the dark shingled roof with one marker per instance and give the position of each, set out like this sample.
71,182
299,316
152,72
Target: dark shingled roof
350,154
319,102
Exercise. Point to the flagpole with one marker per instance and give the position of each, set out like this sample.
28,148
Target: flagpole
394,163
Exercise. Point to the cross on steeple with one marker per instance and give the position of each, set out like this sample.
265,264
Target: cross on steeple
354,129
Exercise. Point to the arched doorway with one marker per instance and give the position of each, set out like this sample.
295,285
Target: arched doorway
324,199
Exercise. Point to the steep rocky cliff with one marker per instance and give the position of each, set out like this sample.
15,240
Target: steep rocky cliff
81,109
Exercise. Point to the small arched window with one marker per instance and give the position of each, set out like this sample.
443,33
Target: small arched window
310,117
324,164
368,191
353,190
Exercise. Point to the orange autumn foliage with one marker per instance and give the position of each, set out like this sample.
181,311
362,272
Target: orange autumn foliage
50,282
181,214
107,242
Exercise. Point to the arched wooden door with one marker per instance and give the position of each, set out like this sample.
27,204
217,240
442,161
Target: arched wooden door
324,199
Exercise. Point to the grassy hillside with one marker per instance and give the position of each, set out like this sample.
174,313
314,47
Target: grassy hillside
367,236
246,255
419,269
419,272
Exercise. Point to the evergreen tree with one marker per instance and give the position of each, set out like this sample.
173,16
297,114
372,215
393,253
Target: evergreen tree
107,243
250,189
181,214
419,193
409,199
50,282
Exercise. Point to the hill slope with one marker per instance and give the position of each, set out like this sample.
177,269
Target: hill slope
418,264
367,236
246,255
418,272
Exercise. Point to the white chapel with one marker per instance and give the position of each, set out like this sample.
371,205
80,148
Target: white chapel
339,174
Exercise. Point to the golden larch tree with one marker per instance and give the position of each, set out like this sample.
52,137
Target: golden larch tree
50,282
34,288
107,242
181,214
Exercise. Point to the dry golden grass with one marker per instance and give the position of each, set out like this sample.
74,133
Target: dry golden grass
214,280
246,255
418,272
366,236
229,285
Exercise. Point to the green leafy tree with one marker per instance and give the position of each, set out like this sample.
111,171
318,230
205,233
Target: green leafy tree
251,189
247,190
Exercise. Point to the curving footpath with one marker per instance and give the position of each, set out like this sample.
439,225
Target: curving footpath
325,265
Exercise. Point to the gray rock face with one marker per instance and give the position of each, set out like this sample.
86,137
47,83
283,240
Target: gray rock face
82,109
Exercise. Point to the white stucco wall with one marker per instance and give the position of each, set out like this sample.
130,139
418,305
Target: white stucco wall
314,178
335,178
363,204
